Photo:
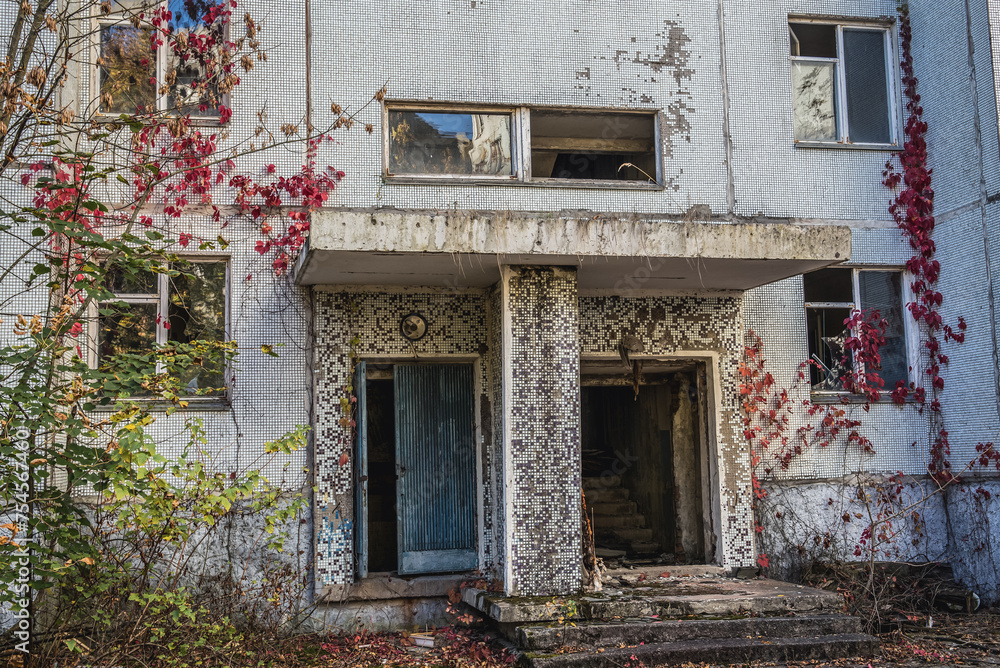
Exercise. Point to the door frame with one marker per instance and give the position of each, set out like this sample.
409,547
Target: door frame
709,416
476,362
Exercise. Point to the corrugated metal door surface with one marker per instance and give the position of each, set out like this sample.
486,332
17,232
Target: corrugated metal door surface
436,464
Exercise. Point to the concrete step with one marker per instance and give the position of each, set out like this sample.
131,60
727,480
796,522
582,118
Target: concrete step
623,521
633,535
716,651
598,634
606,495
613,508
602,482
685,595
642,548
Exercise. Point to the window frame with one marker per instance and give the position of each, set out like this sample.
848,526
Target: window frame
893,78
520,147
162,334
911,333
121,18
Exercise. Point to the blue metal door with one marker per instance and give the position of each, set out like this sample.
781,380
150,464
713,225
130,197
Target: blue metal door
361,472
436,468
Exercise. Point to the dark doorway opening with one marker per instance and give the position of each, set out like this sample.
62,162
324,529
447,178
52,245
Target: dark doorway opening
382,551
644,460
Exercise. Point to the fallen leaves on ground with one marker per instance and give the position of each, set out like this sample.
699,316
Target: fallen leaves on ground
452,647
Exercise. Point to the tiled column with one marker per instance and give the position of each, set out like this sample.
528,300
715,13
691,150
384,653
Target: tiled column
541,436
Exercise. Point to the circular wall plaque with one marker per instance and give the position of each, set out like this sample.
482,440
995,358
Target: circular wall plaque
413,327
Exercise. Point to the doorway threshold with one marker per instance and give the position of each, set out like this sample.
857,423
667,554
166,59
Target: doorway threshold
383,586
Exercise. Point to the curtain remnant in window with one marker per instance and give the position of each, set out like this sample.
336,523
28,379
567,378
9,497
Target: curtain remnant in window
449,143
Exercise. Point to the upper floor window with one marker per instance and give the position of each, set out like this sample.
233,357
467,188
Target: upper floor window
830,297
154,309
141,69
520,144
450,142
843,83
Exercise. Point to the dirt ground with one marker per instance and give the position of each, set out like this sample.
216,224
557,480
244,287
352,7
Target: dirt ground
950,640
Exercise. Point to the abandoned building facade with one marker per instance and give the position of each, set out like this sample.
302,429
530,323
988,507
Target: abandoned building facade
533,289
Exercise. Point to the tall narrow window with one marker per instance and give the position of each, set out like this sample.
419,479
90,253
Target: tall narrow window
842,90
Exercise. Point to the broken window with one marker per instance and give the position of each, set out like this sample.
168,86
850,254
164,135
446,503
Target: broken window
830,296
181,76
449,142
602,147
592,145
842,90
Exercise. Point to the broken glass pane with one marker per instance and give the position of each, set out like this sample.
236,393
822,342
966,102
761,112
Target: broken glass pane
882,291
591,145
826,286
813,91
127,70
827,335
129,328
197,312
124,280
813,40
449,143
193,62
867,86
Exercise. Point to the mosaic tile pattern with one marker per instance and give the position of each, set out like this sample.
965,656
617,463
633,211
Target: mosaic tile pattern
497,510
456,326
544,422
673,325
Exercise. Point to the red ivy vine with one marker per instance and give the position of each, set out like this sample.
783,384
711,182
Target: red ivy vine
767,409
913,211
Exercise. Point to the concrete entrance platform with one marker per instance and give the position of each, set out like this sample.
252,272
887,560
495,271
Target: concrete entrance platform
648,594
670,615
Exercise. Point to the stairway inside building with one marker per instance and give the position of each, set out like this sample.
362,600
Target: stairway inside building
620,529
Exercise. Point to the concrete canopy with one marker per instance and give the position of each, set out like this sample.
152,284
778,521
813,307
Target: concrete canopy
461,248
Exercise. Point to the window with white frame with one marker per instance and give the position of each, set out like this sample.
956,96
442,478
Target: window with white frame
843,83
830,297
181,75
521,144
154,309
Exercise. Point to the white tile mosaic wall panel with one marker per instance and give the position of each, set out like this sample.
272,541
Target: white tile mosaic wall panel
494,338
891,428
456,326
969,400
772,175
646,55
543,419
669,325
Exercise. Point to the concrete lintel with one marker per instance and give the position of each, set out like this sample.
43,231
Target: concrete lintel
460,248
